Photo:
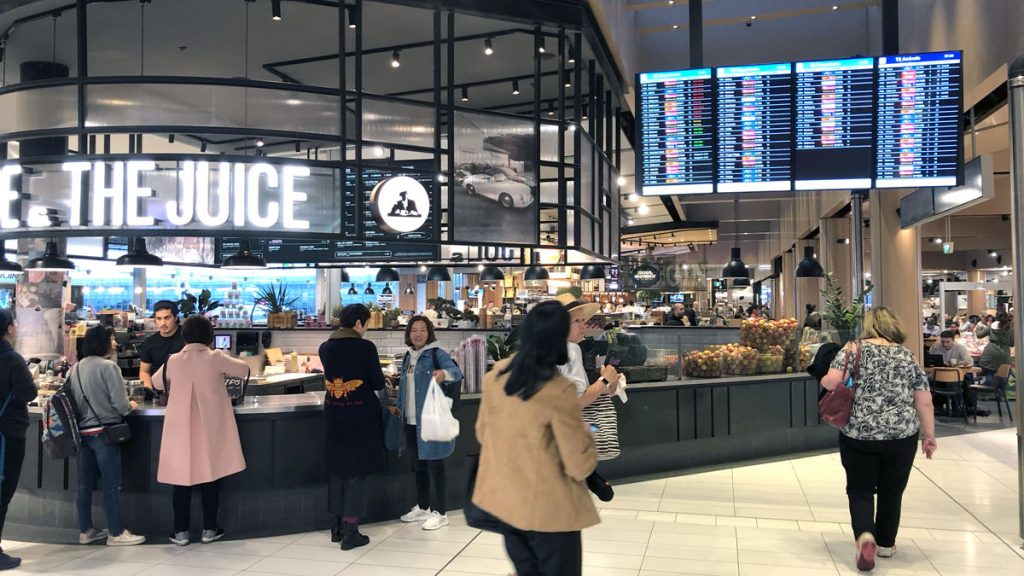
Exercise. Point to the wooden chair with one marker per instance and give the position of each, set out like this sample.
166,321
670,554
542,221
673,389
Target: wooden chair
997,385
949,383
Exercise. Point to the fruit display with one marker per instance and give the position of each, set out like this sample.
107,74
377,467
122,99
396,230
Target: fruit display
806,357
703,364
738,360
761,334
769,364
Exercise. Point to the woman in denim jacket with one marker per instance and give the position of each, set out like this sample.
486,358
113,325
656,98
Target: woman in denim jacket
426,361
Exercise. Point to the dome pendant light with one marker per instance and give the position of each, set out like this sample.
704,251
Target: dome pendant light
387,290
735,268
244,259
51,260
592,272
352,290
387,274
369,290
8,266
809,267
408,289
741,283
139,257
491,274
438,274
344,276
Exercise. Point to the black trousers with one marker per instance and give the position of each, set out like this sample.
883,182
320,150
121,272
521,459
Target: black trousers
881,467
346,497
545,553
427,472
210,493
13,458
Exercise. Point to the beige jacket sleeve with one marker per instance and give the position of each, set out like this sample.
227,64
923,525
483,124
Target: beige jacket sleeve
575,444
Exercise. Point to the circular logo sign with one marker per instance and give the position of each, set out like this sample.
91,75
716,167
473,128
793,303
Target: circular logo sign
646,276
400,204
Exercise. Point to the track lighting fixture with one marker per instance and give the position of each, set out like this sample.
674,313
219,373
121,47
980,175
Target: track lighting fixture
585,110
202,147
567,79
629,221
993,253
621,181
465,94
551,108
515,87
396,59
488,47
572,56
541,47
353,12
298,147
275,10
260,143
170,138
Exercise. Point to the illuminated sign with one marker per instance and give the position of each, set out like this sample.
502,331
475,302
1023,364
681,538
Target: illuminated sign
646,276
400,204
124,194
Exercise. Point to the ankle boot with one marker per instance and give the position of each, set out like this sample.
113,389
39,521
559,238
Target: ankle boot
336,530
351,538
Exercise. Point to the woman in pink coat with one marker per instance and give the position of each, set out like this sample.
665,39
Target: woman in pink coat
200,442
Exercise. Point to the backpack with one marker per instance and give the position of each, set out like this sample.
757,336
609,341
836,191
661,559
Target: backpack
60,437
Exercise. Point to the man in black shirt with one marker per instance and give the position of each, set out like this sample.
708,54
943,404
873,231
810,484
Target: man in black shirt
691,314
158,347
676,318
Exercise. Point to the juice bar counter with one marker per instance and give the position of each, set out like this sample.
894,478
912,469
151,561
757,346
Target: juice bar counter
665,427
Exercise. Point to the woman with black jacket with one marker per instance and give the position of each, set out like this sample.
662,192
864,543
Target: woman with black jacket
17,389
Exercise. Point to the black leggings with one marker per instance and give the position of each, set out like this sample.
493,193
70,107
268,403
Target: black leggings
210,493
882,467
427,471
545,553
14,456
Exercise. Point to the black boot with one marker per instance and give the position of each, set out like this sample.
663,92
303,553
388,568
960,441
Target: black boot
336,530
351,538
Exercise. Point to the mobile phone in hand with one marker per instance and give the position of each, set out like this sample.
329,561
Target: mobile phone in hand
612,361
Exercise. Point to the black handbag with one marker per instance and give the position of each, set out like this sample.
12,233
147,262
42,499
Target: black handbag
113,434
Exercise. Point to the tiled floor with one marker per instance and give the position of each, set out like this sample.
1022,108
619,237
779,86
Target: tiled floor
784,518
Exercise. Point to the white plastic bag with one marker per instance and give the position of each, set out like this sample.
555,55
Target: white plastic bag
436,422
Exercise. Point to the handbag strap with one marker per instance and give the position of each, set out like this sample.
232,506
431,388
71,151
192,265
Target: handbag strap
852,375
86,398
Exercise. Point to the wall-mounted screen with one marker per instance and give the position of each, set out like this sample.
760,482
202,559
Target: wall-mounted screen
834,120
677,137
755,128
919,120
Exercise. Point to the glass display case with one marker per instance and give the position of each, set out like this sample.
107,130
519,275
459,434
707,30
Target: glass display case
666,345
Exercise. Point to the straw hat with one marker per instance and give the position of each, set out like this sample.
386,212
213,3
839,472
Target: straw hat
578,309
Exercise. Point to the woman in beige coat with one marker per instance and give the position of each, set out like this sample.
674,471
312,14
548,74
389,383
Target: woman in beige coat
200,442
536,452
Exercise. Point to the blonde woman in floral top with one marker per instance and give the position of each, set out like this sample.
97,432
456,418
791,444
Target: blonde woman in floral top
892,408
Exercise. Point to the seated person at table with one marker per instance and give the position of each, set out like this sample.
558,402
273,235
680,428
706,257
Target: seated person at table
931,328
953,353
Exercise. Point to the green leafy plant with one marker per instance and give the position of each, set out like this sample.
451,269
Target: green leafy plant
189,304
445,308
274,298
648,295
576,292
500,347
336,315
391,318
842,316
470,316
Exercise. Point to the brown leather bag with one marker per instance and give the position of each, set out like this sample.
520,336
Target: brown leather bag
834,407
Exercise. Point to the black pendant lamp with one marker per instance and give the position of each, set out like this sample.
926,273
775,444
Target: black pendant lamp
244,259
139,257
387,290
438,274
8,266
735,268
50,261
408,289
536,273
809,267
344,276
387,274
741,283
352,290
592,272
369,290
491,274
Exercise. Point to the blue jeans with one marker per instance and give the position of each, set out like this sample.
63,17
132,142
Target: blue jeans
99,459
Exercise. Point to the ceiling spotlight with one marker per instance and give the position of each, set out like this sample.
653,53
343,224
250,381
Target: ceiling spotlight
936,240
629,222
396,59
260,143
202,147
675,26
488,47
633,197
643,209
572,56
834,7
567,79
572,127
275,10
423,268
671,2
993,253
551,108
379,151
541,48
352,13
465,94
170,138
753,17
515,87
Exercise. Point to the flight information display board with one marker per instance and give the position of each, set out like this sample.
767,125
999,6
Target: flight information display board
919,120
834,124
677,136
755,128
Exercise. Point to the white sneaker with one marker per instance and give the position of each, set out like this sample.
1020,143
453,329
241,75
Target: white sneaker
180,538
884,552
417,514
93,535
125,539
436,520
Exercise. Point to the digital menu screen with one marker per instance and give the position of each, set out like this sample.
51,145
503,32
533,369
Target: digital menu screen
677,134
312,252
834,124
371,177
755,128
919,137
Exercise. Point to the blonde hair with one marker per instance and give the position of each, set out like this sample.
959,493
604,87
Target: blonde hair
880,322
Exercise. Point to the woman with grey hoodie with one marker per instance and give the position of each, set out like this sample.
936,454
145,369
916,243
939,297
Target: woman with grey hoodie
98,392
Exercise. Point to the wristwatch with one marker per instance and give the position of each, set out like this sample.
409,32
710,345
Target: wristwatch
604,381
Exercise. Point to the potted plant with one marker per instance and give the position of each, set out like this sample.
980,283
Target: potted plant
274,299
469,319
446,311
189,304
336,315
500,347
843,317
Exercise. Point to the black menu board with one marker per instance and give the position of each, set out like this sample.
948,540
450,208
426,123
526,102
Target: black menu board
755,128
371,177
834,122
919,138
677,137
312,252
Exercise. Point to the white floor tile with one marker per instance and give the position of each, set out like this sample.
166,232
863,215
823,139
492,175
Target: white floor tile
404,559
296,567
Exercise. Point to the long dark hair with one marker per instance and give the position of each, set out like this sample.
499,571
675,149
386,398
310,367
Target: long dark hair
542,347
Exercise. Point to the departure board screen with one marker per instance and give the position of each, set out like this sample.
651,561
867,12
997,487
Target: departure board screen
919,137
677,131
834,124
755,128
